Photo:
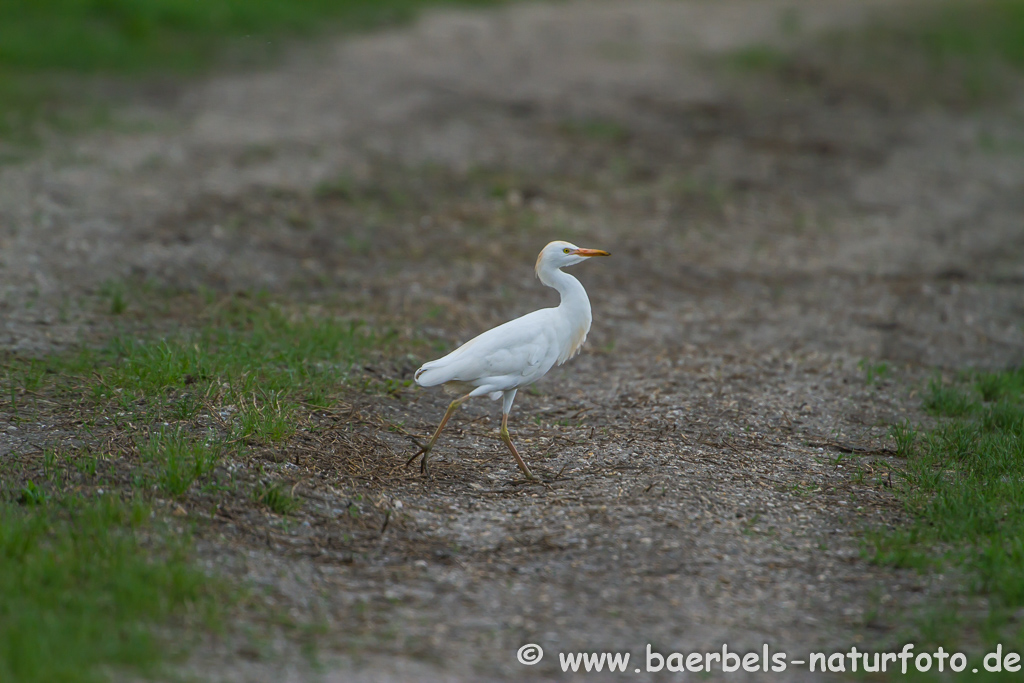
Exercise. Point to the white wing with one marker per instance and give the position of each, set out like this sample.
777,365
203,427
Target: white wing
510,355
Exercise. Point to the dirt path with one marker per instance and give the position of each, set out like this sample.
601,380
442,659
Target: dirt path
765,241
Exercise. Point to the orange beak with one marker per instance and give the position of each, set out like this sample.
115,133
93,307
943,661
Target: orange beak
591,252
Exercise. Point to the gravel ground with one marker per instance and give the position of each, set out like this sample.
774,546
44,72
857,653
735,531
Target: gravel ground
713,456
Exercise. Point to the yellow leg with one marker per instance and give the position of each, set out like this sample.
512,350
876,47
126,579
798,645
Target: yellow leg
425,448
508,442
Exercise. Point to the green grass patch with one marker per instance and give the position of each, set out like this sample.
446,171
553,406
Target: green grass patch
759,58
86,578
944,400
178,458
251,362
972,32
599,130
964,486
83,584
276,498
874,373
246,376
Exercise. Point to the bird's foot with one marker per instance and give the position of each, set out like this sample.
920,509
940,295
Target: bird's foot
534,481
544,479
528,476
423,451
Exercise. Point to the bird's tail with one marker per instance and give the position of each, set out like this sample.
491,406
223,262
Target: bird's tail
430,375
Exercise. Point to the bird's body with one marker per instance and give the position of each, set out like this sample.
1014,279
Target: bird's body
503,359
507,357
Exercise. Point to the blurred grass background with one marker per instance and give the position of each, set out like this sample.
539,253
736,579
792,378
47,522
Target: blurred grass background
956,54
971,29
47,46
132,36
55,54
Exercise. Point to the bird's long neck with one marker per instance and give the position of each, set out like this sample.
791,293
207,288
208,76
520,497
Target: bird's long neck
575,304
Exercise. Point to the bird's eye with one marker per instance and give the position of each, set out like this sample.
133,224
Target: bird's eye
567,250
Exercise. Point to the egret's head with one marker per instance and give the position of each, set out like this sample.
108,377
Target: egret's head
560,254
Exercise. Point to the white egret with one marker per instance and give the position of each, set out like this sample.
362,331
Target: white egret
501,360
